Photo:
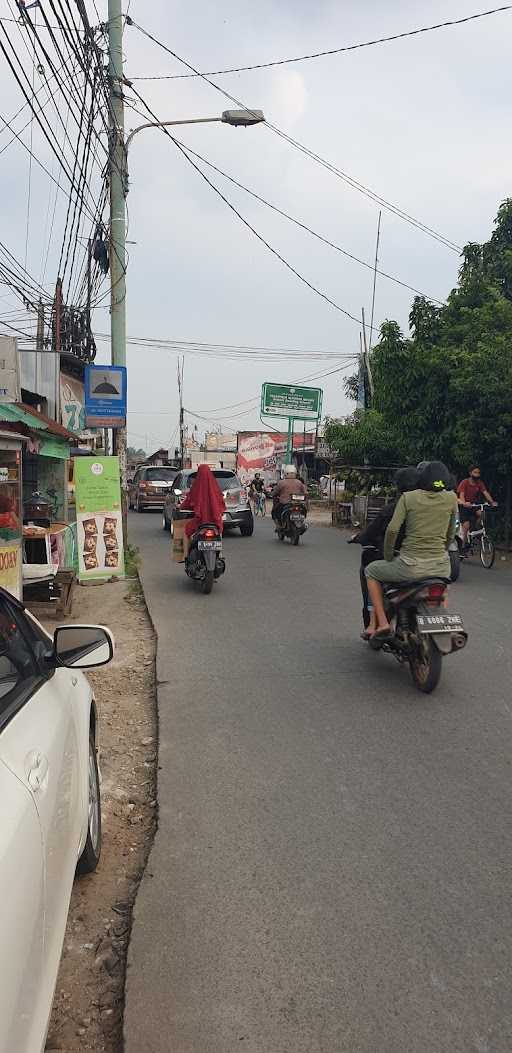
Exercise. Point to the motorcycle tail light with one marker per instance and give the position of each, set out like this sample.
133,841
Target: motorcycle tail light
209,533
436,592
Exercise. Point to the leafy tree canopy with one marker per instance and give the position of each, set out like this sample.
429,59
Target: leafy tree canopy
446,391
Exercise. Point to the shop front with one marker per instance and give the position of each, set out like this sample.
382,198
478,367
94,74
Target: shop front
49,540
11,520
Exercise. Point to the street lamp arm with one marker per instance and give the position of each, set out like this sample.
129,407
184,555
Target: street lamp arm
167,124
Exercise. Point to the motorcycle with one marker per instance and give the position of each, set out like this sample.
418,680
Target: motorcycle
293,519
204,562
423,630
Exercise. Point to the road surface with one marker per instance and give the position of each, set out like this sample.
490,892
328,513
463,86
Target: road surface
332,868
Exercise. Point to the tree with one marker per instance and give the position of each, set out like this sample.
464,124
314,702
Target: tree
136,455
365,438
446,392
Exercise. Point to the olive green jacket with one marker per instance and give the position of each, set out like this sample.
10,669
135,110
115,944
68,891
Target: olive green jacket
429,520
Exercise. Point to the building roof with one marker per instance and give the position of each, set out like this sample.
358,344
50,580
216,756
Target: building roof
20,413
53,426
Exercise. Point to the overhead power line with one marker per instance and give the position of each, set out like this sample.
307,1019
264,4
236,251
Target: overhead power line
231,351
304,226
330,51
250,227
354,183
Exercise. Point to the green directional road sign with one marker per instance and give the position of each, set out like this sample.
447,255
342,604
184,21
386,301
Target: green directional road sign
290,400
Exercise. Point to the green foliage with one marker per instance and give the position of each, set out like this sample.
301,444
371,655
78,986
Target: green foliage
446,392
365,438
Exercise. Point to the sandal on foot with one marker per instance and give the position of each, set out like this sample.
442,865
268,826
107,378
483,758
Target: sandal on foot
380,637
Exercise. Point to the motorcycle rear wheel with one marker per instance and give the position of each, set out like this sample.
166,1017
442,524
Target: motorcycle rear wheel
207,583
426,666
454,565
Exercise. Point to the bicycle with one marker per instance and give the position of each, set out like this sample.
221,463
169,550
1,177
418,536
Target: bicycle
260,504
479,540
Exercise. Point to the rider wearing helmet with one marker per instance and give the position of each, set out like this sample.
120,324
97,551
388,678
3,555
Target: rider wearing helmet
285,490
372,539
429,516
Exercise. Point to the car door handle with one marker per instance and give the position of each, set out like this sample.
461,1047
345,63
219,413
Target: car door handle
36,767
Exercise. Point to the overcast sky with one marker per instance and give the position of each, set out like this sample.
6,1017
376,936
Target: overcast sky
422,121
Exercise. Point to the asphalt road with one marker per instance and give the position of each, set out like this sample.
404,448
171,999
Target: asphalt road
333,865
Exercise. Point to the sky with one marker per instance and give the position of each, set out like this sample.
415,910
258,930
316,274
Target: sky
421,121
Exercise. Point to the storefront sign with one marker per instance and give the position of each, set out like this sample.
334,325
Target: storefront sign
10,390
10,569
105,396
98,518
289,400
72,403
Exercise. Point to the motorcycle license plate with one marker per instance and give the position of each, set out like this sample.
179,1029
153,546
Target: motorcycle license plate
209,546
440,623
296,517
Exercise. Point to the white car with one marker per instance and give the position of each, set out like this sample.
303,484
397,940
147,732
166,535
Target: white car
50,806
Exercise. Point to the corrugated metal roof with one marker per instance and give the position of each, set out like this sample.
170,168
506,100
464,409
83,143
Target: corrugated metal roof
19,412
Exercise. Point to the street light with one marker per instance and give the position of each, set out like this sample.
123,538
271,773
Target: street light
236,118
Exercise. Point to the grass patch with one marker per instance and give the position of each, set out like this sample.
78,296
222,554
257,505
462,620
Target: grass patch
131,561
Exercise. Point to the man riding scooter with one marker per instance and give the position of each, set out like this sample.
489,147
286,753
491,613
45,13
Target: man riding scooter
284,491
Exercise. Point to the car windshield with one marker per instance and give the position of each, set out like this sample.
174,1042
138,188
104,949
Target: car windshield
226,480
161,474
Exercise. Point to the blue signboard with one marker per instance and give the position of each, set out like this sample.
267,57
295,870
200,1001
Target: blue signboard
105,396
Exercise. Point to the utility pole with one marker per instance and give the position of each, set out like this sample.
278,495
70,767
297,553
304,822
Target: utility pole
375,279
368,367
117,222
88,338
182,411
58,344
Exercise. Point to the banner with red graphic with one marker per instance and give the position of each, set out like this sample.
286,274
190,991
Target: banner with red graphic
264,452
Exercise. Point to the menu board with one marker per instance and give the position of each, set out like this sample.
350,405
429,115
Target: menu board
99,518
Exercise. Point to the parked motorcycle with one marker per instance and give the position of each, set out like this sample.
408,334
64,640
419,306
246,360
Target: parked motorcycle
423,630
293,519
204,562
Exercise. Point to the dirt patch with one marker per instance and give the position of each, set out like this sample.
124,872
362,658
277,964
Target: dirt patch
320,516
87,1014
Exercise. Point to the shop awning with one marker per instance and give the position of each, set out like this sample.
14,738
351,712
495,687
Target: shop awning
53,439
10,411
51,447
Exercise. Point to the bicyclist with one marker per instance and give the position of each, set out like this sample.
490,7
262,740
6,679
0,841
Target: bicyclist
257,484
256,488
470,492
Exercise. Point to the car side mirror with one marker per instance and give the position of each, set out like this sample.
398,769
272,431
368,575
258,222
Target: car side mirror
82,646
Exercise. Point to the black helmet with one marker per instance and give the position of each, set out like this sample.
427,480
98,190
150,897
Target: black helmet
406,479
435,477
